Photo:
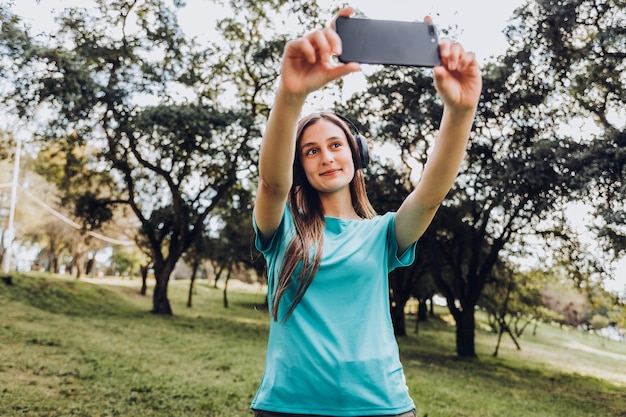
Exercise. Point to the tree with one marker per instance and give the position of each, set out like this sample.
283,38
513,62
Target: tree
188,147
231,245
30,217
126,261
78,188
516,174
194,256
180,155
581,43
568,302
512,301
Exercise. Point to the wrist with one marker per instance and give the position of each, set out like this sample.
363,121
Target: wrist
460,112
290,98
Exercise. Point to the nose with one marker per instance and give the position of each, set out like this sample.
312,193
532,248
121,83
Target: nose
327,157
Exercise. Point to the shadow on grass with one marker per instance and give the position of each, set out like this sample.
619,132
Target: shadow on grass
431,352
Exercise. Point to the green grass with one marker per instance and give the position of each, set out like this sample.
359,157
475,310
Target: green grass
73,348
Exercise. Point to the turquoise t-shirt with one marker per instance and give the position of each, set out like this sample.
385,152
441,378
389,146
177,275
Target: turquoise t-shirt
337,355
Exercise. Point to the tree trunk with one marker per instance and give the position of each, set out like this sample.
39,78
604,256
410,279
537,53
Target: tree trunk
397,317
76,265
194,270
417,324
422,310
217,271
143,269
160,302
89,271
465,325
226,286
190,295
422,313
495,352
507,328
400,284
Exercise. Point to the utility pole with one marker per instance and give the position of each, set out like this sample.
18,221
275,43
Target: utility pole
8,242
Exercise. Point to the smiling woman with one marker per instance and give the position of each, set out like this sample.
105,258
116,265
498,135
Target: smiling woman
331,345
326,155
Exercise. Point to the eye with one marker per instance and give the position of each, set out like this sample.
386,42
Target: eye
335,145
310,151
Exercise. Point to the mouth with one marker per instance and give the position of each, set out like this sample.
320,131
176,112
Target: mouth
329,172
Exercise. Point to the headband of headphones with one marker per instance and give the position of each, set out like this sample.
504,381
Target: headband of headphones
364,156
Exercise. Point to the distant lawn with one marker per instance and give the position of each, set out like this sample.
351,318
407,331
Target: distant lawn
72,348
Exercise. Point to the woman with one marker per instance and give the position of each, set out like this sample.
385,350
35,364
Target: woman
331,348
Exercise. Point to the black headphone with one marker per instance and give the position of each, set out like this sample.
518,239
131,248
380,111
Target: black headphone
364,155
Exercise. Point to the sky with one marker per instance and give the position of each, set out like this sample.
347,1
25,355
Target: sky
476,32
480,29
480,33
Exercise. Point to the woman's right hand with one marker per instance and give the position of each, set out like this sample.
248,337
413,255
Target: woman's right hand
308,62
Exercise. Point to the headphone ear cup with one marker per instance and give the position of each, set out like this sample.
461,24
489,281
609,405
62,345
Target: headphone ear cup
361,143
363,151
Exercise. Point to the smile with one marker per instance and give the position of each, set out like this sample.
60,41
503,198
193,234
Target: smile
329,172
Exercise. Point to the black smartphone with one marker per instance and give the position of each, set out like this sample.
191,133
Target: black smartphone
388,42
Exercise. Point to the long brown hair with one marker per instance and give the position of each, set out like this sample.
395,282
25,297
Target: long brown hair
306,208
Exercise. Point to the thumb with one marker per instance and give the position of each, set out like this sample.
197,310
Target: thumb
444,84
339,71
443,81
439,75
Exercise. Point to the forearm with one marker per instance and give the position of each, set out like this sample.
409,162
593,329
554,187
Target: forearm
278,145
419,208
445,160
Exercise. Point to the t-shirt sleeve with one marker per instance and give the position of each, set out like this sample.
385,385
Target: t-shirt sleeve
395,259
268,245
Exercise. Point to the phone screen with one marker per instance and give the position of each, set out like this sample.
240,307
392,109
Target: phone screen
388,42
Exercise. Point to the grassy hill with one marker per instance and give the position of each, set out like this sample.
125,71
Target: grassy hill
74,348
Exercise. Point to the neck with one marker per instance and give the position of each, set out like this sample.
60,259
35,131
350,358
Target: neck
338,204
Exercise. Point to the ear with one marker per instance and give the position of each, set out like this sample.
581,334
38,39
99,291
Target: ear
361,143
364,153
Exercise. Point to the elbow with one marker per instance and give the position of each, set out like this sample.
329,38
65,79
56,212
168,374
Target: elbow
427,201
274,187
434,204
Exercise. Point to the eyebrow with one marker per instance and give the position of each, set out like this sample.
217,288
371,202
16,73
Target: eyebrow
329,139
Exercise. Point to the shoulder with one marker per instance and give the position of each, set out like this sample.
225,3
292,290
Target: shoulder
285,229
380,224
381,219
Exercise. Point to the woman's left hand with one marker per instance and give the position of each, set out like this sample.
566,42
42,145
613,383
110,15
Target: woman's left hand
457,79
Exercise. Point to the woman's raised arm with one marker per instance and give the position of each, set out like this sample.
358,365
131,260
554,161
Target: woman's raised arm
459,83
307,66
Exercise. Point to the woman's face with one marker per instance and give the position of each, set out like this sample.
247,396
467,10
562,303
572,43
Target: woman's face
326,156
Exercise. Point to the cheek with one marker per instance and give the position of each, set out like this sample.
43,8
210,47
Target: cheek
351,170
308,166
348,163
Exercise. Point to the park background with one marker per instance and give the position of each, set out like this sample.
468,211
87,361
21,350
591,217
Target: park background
136,142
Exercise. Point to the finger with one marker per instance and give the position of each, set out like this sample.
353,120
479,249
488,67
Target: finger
456,50
338,71
450,53
466,60
346,12
428,19
444,50
439,77
322,44
334,41
301,46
